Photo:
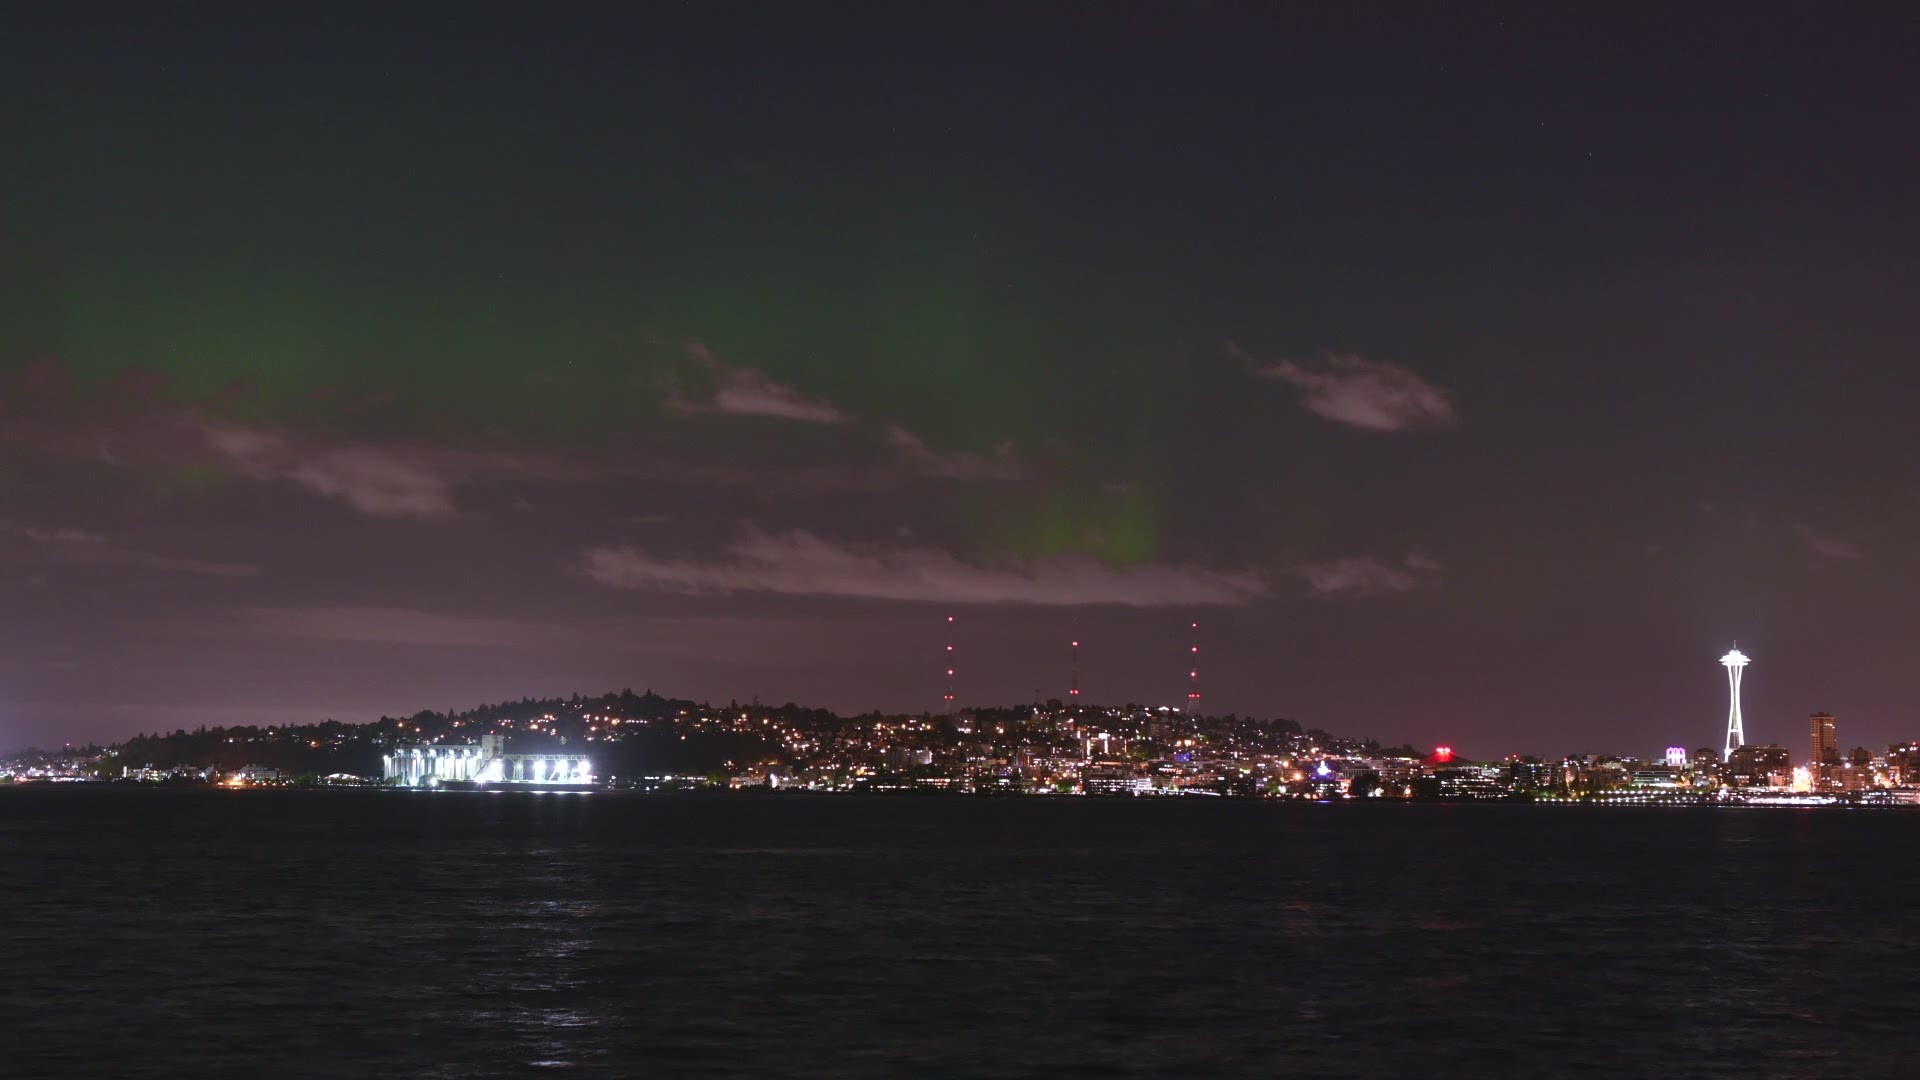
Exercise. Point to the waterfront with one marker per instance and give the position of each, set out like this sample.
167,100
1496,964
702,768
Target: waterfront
159,932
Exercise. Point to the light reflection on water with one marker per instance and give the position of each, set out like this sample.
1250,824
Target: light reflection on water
160,933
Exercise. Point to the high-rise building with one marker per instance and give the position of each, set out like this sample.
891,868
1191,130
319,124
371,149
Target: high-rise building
1861,772
1735,662
1823,758
1903,764
1759,766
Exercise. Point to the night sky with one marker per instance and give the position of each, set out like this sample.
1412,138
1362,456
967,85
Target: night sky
1474,377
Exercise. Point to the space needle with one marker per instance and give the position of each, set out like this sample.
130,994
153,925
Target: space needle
1734,662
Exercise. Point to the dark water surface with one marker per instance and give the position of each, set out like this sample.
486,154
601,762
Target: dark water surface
159,932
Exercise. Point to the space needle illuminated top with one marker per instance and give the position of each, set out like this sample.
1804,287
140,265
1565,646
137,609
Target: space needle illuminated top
1735,661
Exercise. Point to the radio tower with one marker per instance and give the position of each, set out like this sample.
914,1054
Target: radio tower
1073,694
948,700
1193,670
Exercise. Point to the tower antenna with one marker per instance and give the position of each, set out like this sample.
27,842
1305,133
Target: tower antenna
947,701
1193,669
1073,692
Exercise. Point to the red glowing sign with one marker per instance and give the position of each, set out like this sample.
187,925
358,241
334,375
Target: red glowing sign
1443,753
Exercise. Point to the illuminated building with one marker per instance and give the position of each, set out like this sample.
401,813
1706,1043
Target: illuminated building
1735,662
1591,776
1657,778
1857,772
1704,766
1324,782
1903,764
1529,774
1823,758
1472,781
1677,756
482,764
1112,778
906,757
1760,766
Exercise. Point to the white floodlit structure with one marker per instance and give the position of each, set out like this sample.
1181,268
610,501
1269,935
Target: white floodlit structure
429,765
1735,661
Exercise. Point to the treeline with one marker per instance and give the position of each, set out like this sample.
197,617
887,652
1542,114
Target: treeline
319,749
332,746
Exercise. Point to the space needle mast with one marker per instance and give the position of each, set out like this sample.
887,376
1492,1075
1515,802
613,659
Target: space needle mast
1734,662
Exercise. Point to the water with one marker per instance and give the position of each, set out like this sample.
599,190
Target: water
156,932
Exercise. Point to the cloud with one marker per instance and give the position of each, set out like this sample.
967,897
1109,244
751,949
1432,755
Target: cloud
957,465
147,560
52,536
130,424
373,480
1421,561
376,482
74,546
394,626
1370,394
743,391
431,480
1362,575
1827,547
802,564
383,481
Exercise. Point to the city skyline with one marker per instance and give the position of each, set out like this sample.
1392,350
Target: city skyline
1467,376
650,743
1825,752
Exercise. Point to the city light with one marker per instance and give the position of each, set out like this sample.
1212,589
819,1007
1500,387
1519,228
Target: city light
1051,747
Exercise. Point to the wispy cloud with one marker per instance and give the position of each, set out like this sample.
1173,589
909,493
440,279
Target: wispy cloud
383,481
51,536
147,560
1824,545
388,625
1363,575
377,482
74,546
429,479
952,465
743,391
803,564
1370,394
373,481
